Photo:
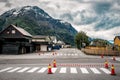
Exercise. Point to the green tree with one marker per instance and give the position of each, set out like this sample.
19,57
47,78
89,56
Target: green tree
81,40
100,42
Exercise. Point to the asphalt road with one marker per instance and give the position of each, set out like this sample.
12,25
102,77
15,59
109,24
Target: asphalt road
72,64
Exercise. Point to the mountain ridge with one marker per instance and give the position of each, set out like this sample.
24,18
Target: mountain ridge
37,22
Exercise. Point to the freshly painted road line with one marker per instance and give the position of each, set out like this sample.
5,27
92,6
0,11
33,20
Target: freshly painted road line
54,70
95,71
3,70
33,69
63,70
105,70
13,70
23,70
42,70
73,70
84,70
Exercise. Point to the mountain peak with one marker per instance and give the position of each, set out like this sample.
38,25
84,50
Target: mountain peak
37,22
26,10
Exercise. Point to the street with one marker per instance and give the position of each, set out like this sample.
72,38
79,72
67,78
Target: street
72,64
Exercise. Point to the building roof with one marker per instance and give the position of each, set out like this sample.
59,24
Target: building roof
39,36
21,30
117,37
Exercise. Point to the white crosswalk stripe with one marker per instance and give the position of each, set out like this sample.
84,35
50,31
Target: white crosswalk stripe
24,69
13,70
42,70
63,70
105,70
73,70
84,70
95,71
33,69
3,70
54,70
59,54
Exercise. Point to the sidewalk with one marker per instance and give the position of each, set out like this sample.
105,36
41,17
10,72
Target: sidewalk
22,56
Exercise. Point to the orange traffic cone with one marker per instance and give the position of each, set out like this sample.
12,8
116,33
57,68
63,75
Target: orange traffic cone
49,69
54,63
101,55
113,70
114,58
106,64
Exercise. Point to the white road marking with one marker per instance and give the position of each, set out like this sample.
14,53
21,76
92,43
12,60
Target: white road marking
42,70
13,70
95,71
105,70
33,69
69,54
65,54
24,69
54,70
3,70
84,70
73,70
63,70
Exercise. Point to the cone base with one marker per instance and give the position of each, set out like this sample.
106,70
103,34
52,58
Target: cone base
50,73
113,74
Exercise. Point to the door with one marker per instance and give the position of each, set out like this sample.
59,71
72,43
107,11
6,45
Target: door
43,47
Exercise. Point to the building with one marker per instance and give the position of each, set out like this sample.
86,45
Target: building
42,43
15,40
117,42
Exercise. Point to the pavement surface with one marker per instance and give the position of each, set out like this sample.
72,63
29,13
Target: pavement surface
72,64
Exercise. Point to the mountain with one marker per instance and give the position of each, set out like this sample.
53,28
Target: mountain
37,22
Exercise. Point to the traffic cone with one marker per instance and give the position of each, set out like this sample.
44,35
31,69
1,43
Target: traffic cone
113,70
49,69
114,58
54,63
106,64
101,55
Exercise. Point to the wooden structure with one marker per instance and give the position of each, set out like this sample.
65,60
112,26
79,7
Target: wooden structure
117,42
41,43
15,40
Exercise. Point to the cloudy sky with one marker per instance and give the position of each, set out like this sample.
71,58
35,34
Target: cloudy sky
98,18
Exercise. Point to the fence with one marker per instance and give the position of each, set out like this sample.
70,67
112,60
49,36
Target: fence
101,51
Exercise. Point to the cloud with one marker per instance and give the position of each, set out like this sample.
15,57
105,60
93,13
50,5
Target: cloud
3,0
102,7
96,17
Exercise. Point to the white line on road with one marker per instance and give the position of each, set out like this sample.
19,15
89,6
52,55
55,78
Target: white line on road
42,70
73,70
63,70
13,70
95,71
105,70
84,71
33,69
6,69
54,70
24,69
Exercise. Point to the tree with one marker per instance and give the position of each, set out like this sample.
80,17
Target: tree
81,40
100,43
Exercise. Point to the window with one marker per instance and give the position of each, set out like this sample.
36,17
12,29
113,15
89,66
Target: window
8,32
13,31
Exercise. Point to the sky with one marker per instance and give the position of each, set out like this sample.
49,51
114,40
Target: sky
97,18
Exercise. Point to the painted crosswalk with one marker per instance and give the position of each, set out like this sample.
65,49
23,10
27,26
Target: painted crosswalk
59,54
60,70
84,70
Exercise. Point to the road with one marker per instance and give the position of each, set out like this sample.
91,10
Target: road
72,64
